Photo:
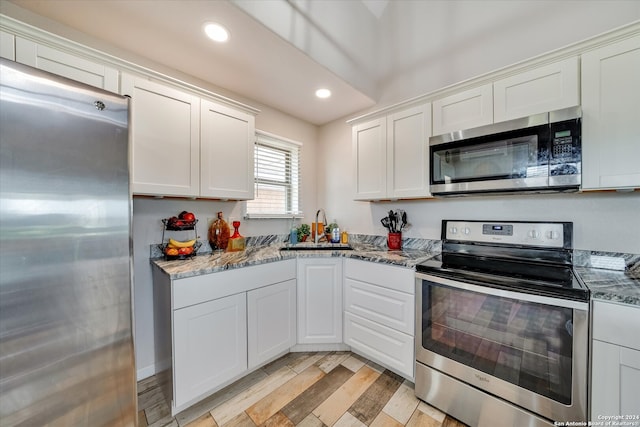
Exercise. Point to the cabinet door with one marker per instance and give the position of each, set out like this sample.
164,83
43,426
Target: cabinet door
611,116
319,301
464,110
66,65
615,379
165,138
370,159
408,152
210,346
389,347
7,46
271,321
226,150
552,87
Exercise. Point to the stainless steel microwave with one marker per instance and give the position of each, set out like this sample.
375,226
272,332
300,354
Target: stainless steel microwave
540,153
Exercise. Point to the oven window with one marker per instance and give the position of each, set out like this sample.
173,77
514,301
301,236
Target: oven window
506,159
527,344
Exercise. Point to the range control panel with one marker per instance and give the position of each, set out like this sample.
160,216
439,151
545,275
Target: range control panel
547,234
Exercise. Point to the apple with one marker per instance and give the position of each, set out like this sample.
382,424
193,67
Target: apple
185,251
188,217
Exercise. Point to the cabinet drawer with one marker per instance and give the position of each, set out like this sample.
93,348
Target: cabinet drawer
384,345
194,290
616,324
386,306
389,276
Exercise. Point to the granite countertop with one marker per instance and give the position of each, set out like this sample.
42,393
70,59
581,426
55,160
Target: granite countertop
255,255
611,285
620,286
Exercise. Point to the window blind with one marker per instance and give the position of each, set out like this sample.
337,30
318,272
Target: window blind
277,178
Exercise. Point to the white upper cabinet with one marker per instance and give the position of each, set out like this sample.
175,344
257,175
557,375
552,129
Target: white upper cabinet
186,146
611,116
7,46
391,155
547,88
226,152
370,159
408,152
165,138
66,65
463,110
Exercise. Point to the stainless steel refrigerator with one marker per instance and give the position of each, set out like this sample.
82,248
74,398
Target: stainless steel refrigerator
66,345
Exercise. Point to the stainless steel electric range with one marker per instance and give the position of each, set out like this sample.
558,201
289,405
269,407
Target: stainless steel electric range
502,325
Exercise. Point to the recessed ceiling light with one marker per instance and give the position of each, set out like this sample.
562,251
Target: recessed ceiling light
216,32
323,93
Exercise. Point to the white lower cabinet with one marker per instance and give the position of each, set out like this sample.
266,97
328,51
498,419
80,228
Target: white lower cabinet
271,318
379,314
319,300
221,326
210,341
615,361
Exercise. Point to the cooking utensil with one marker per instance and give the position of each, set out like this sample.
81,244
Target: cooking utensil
385,223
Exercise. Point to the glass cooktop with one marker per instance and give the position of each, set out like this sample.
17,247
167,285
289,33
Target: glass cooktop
533,277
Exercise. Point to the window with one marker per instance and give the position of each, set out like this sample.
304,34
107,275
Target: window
277,178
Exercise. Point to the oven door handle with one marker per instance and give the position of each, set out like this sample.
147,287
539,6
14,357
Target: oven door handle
519,296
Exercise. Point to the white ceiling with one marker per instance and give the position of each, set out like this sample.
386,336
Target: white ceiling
370,53
256,63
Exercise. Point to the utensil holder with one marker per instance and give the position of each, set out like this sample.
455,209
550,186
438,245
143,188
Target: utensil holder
394,241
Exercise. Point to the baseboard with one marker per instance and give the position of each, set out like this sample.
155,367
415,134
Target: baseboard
152,369
319,347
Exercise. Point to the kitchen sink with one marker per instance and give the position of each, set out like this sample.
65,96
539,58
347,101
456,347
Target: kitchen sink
310,246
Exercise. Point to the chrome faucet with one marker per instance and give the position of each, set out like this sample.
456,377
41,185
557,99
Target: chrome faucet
324,222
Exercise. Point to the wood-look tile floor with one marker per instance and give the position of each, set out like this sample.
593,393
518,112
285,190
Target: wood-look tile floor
318,389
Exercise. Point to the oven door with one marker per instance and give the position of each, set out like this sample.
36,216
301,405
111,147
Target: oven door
529,350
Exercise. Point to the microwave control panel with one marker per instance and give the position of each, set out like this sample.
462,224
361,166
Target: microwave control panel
563,144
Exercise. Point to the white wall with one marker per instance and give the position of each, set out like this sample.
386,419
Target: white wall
606,221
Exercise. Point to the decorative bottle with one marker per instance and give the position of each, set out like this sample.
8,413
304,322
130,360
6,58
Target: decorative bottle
236,242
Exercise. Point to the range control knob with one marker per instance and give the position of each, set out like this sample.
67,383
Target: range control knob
534,234
453,230
553,235
466,230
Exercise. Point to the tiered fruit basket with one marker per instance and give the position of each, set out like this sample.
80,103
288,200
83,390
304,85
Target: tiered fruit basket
174,249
